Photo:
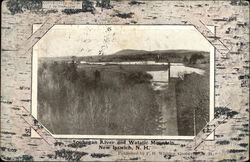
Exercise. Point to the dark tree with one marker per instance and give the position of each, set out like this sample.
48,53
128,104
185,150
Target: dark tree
185,59
193,59
97,75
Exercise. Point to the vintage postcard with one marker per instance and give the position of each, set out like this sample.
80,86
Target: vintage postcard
143,80
125,80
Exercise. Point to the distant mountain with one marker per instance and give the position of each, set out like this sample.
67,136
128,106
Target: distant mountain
138,52
142,55
127,55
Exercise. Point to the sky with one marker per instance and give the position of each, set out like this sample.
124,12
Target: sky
90,40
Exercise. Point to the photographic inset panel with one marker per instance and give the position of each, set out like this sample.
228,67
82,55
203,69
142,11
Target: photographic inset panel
125,80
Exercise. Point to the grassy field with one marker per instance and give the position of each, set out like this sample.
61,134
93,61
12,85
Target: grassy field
74,100
192,100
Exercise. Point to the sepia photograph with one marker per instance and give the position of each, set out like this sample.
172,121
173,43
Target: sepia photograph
135,80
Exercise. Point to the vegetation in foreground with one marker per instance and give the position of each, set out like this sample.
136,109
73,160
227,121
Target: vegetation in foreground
78,101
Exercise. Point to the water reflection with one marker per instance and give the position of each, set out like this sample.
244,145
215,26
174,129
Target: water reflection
160,79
